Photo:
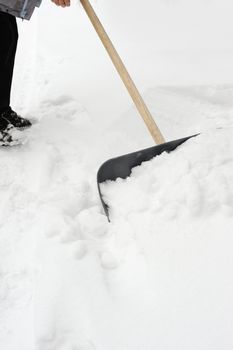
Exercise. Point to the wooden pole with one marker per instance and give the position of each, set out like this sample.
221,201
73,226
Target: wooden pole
127,80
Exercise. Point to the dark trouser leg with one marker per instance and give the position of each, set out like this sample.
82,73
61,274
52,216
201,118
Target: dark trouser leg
8,46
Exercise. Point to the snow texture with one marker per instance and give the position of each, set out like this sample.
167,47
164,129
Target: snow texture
159,276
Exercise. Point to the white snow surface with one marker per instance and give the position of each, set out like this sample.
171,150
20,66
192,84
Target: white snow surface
159,276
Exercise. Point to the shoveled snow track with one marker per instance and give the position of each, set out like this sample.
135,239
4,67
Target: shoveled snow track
70,280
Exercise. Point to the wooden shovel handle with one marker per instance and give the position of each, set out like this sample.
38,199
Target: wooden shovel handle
119,65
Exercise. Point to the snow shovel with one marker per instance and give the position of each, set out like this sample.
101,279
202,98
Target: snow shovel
122,166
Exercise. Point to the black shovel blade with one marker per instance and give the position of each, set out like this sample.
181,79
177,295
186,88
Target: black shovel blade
122,166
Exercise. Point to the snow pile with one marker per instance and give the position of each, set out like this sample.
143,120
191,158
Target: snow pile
160,274
193,182
178,211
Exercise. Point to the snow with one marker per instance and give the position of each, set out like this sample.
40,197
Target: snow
199,182
160,274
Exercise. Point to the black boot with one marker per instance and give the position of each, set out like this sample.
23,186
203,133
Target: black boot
5,133
14,119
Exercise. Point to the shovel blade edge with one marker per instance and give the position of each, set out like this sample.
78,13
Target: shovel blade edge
122,166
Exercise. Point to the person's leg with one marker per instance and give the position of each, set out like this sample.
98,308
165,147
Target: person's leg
8,46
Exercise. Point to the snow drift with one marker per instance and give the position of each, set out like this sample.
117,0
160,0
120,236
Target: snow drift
160,275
